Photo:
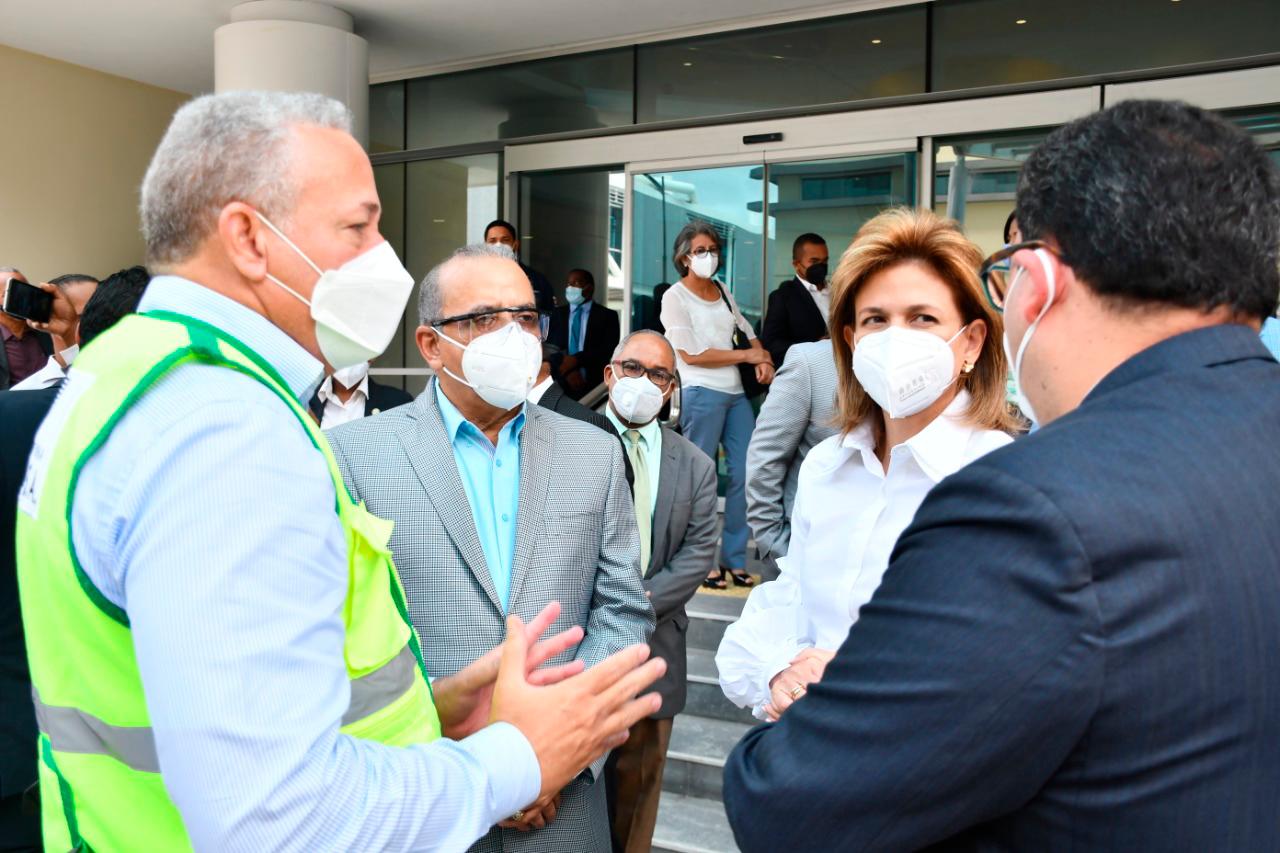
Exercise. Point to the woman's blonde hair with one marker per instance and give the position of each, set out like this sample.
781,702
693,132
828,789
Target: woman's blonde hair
903,235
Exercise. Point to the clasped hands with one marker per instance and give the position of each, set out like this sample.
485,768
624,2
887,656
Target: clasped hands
789,685
570,717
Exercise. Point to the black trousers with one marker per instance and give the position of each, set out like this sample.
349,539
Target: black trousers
19,825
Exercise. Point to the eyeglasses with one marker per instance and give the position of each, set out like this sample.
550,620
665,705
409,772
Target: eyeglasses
996,271
634,369
492,319
703,250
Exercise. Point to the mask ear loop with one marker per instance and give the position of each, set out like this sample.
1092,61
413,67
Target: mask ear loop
295,294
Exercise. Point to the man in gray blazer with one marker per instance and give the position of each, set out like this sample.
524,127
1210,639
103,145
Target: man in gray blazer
466,472
795,416
675,504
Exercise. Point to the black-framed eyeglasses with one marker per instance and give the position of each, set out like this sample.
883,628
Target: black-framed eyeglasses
996,272
634,369
703,250
527,317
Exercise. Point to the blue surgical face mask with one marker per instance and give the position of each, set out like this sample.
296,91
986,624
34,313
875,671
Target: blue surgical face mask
573,294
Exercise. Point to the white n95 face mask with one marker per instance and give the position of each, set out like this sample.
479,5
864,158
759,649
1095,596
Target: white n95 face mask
704,265
357,307
501,366
636,399
351,377
1019,396
904,370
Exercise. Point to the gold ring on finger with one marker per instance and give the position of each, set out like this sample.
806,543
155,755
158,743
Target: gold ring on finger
797,691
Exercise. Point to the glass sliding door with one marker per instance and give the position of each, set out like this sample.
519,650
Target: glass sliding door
572,219
726,197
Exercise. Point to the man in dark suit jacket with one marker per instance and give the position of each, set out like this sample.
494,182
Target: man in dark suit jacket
1075,643
503,232
376,398
675,505
551,396
21,413
798,308
587,332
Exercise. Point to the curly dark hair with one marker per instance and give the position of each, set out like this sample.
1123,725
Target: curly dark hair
1159,202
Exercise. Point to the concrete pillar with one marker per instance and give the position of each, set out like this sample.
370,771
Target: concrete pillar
295,46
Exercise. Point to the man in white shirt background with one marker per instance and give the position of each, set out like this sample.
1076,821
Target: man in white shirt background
351,394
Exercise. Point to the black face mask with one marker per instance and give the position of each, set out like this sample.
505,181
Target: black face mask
816,275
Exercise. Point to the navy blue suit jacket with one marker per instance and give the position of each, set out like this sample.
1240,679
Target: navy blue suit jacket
1076,645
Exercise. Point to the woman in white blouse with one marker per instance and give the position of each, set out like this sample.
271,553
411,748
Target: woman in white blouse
921,394
700,317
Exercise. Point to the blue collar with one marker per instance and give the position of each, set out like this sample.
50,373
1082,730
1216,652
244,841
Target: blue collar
300,370
454,422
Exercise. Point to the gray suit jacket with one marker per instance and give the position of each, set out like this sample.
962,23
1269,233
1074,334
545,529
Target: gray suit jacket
795,416
686,528
576,543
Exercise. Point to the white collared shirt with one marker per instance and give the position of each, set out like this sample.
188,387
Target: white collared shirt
51,374
847,517
536,392
821,298
336,412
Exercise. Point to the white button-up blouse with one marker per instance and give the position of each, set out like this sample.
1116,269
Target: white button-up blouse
847,516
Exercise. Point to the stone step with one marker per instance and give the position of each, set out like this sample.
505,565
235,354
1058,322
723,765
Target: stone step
692,825
696,755
705,697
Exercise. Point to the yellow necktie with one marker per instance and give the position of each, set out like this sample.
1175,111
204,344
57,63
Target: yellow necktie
644,504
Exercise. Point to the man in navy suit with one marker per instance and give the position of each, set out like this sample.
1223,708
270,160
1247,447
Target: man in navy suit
1075,646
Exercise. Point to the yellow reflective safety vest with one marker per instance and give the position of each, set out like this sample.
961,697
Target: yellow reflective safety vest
100,784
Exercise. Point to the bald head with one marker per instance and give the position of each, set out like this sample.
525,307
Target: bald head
473,278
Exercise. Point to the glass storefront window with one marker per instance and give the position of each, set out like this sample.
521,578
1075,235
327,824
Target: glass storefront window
386,117
430,208
583,91
831,198
728,198
975,181
871,55
995,42
573,220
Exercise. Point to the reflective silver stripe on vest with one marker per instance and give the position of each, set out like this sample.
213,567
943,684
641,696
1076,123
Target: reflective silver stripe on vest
72,730
381,687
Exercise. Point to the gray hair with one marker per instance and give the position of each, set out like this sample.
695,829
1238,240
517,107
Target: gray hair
10,269
232,146
430,296
684,243
622,344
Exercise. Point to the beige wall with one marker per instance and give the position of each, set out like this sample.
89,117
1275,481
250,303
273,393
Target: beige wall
74,144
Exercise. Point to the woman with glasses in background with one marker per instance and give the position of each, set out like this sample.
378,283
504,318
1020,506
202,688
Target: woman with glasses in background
701,318
920,394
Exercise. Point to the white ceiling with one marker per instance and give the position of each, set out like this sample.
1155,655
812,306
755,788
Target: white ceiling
170,42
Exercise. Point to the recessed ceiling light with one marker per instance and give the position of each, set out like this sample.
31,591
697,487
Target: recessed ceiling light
688,65
1020,21
438,221
875,41
778,57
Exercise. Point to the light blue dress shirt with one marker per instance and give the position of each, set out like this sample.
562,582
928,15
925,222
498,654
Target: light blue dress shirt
650,446
491,478
208,516
578,325
1271,336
